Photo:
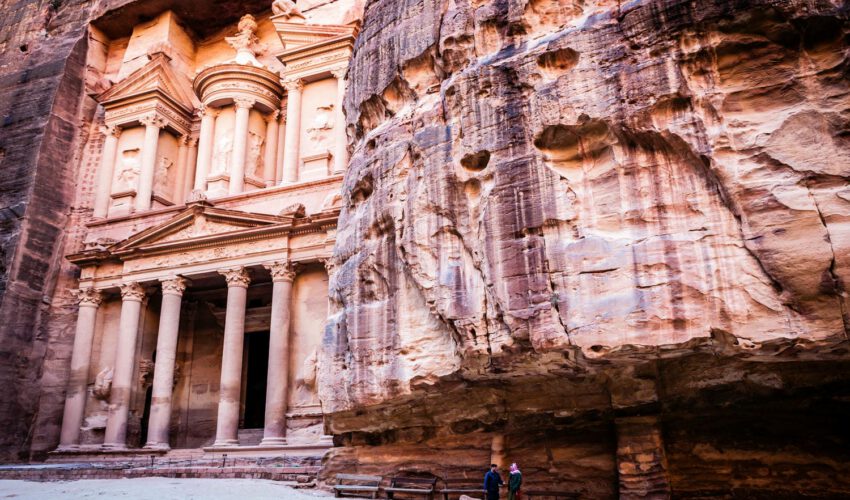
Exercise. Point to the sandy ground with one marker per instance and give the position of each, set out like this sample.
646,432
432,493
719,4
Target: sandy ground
158,488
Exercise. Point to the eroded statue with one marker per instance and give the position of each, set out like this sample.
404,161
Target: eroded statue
103,384
128,174
288,9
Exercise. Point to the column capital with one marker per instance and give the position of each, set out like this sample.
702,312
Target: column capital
273,116
132,291
236,277
174,286
111,130
293,84
330,265
205,110
152,120
88,296
244,102
339,73
282,271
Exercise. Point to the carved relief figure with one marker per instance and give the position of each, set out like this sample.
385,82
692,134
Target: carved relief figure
221,159
103,384
288,9
128,173
323,123
254,162
160,180
306,387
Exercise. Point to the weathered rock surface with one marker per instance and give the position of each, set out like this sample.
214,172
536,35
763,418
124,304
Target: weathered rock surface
562,215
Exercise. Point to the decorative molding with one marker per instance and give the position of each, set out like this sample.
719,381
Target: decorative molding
132,292
236,277
282,271
174,286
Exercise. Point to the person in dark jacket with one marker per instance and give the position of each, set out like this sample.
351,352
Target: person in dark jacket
492,481
514,482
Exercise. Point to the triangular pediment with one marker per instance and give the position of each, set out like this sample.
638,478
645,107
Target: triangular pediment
298,35
156,76
197,223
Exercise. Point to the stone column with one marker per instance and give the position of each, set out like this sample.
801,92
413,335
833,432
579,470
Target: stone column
277,392
292,155
270,157
240,145
205,146
182,168
153,124
230,388
281,143
641,461
341,143
75,395
132,297
163,371
191,158
106,171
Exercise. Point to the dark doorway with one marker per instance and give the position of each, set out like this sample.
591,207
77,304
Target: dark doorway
257,347
146,417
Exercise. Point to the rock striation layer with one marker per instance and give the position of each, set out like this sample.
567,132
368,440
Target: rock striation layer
597,237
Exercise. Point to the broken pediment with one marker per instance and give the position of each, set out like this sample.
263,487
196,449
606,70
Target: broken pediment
154,80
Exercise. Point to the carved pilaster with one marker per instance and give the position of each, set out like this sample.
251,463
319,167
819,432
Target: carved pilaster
237,277
282,271
133,291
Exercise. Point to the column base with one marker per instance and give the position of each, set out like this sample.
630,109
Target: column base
66,448
326,439
157,446
114,447
225,443
273,441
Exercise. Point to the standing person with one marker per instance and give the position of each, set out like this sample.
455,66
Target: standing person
514,483
492,481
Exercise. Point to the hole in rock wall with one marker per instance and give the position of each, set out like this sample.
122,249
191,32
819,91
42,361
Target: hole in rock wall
476,161
567,147
557,62
545,15
362,190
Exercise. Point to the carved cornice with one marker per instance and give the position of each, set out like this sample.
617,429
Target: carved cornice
237,277
230,81
174,286
132,292
282,271
88,297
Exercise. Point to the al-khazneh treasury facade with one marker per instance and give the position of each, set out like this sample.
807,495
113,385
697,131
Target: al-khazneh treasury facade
203,285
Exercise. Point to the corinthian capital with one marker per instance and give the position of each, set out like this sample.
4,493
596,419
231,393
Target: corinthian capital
273,116
174,286
132,291
282,271
237,277
339,73
152,120
293,84
111,130
244,102
88,296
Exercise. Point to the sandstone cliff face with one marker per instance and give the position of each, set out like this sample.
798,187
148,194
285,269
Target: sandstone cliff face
563,213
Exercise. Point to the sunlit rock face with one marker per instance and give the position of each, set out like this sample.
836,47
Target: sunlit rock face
562,215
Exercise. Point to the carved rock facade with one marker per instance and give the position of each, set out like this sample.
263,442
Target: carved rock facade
606,240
